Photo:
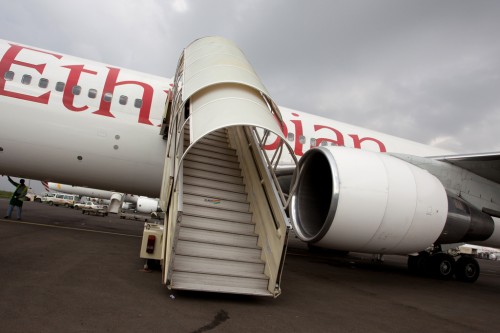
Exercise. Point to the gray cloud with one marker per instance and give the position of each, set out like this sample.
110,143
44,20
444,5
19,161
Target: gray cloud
424,70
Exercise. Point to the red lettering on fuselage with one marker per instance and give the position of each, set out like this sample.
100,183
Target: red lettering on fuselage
276,143
111,82
109,87
73,78
9,59
339,138
358,141
299,134
332,135
75,72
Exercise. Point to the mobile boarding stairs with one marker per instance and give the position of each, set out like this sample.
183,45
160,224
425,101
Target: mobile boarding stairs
225,226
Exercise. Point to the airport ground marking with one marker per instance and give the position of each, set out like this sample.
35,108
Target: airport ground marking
71,228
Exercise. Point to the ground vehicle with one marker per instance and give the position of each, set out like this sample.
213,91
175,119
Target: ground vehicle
88,205
91,208
30,196
59,199
45,196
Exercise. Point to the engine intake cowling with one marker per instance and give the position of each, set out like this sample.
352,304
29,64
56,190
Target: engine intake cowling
353,200
147,205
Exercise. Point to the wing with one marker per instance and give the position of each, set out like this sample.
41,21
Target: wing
486,165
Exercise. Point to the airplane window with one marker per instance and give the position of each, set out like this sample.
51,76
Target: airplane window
107,97
59,86
43,83
313,142
138,103
8,76
123,100
26,79
92,93
291,137
302,139
76,90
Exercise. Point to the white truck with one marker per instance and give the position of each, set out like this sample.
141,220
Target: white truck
91,208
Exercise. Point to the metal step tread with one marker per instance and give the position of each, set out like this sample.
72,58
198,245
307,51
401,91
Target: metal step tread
212,148
210,183
231,227
216,142
217,283
204,223
213,176
191,156
210,138
220,133
212,168
215,193
217,251
216,203
218,237
214,155
219,214
219,267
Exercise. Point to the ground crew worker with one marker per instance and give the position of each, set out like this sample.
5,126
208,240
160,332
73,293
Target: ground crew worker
17,198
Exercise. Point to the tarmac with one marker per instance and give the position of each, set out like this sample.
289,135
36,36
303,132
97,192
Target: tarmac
62,271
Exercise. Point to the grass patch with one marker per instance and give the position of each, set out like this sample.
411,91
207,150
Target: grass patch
5,194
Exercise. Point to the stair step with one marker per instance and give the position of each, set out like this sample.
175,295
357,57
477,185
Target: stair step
219,214
213,155
214,141
203,182
216,237
219,267
214,203
199,222
215,193
216,251
212,148
220,133
213,176
212,168
219,283
209,160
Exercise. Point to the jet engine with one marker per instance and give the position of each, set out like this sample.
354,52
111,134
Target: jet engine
353,200
147,205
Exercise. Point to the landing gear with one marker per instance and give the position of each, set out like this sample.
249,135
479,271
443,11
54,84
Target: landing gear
467,269
443,266
418,264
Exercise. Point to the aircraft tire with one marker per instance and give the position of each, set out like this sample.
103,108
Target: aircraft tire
467,269
418,265
442,266
413,264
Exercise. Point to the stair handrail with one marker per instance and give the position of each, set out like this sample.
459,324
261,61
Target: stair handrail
174,146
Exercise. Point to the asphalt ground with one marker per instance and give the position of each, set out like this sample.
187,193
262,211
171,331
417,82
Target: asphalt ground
62,271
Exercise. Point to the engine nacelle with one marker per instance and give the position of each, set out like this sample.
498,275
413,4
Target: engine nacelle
465,223
147,205
354,200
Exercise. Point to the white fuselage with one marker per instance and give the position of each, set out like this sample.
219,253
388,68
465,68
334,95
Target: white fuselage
85,123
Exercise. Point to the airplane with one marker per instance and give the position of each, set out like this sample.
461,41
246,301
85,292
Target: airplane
142,204
347,188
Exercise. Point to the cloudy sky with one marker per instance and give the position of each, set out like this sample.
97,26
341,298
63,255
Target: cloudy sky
425,70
